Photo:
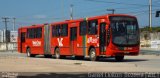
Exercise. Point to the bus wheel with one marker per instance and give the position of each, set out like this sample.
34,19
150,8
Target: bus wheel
29,53
119,58
57,53
92,54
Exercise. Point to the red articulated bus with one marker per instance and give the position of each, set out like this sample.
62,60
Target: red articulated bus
112,35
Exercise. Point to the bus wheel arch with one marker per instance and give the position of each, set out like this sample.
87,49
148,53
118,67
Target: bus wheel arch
92,53
28,51
57,52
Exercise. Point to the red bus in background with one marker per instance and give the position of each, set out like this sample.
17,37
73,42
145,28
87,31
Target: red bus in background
112,35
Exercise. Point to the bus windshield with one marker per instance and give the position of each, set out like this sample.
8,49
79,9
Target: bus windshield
125,31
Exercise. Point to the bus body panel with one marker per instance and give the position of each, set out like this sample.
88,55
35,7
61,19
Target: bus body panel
79,45
35,45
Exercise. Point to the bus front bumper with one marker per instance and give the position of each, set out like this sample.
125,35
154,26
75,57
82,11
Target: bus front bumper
113,52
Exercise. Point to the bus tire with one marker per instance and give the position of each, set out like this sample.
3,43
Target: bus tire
57,53
92,54
29,53
119,58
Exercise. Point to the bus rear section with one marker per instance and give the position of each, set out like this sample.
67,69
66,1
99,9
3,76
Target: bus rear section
34,40
21,40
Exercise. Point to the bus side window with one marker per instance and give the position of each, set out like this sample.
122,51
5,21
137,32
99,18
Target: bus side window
30,33
39,32
83,28
34,33
58,30
23,34
64,30
92,27
108,36
53,31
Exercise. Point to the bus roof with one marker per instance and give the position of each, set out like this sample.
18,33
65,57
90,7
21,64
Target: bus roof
90,18
32,26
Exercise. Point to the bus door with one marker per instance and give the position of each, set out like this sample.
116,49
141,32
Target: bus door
73,40
47,41
22,41
102,37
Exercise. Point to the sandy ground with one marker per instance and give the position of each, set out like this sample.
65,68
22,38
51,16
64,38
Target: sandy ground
15,62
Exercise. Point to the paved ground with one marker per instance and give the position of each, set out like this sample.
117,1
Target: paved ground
147,50
16,62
